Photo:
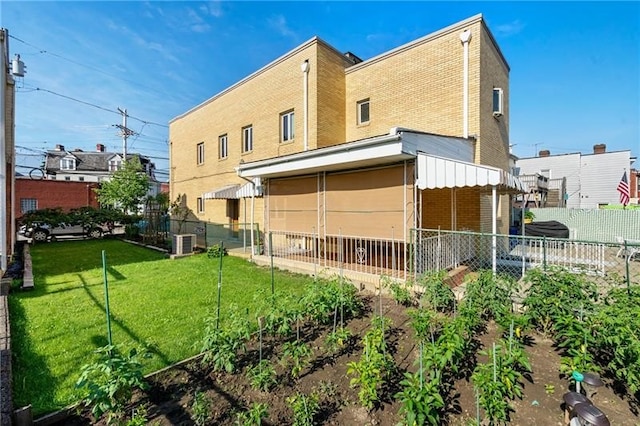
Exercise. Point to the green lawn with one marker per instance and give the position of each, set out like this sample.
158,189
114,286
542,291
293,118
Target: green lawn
155,302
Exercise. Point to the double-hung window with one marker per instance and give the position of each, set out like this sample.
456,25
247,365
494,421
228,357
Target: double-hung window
68,164
497,102
287,126
200,153
223,146
115,165
247,139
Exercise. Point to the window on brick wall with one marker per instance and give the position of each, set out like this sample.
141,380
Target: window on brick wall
286,126
363,111
247,139
200,153
200,205
497,102
28,205
223,146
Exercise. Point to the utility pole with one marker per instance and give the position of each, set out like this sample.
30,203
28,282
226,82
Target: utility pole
125,132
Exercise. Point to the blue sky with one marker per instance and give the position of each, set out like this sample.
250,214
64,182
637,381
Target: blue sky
575,66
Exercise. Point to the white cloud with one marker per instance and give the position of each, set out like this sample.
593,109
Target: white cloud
509,29
279,23
213,8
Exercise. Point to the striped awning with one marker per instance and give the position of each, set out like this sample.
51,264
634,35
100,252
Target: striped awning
227,192
438,172
235,191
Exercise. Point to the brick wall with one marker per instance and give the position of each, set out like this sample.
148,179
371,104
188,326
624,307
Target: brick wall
52,194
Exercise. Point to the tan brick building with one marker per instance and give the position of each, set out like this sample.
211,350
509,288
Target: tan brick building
321,142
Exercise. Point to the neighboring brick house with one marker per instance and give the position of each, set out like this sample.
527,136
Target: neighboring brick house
41,194
363,148
591,179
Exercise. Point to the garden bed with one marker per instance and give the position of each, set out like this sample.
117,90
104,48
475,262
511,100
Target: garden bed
173,393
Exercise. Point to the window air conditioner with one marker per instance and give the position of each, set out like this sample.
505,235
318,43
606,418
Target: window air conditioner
183,244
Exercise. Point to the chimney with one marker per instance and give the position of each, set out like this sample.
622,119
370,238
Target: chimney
59,147
544,153
599,148
100,147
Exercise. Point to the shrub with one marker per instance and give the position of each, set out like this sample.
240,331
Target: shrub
215,250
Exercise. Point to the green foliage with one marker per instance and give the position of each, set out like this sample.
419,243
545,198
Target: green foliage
222,342
400,291
215,250
201,409
376,364
616,338
500,380
126,188
556,293
336,340
297,355
110,382
254,416
262,376
279,311
87,216
138,417
421,402
436,294
322,299
304,407
490,295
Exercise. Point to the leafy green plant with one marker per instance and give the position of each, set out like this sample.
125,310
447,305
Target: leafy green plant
138,417
262,376
253,416
400,291
215,250
376,365
337,339
490,295
222,342
304,407
297,355
421,400
201,409
436,294
110,381
321,299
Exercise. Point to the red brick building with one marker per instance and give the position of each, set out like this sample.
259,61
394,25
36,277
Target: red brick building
41,194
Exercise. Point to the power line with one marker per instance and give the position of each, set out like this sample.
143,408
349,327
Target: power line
97,106
40,50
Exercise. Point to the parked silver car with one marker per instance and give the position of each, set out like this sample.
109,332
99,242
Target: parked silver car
42,232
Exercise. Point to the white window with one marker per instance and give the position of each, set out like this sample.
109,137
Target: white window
81,178
200,153
497,102
115,165
287,126
247,139
28,205
200,205
67,178
363,111
68,164
223,146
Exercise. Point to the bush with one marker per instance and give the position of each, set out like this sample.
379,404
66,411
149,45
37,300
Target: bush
214,251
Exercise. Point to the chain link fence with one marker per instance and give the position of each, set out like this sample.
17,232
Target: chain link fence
608,263
237,235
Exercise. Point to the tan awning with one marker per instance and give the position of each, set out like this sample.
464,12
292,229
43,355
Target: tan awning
227,192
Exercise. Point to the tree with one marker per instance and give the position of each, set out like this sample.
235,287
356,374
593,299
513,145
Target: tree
126,189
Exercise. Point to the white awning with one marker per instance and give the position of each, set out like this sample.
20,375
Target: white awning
235,191
227,192
437,172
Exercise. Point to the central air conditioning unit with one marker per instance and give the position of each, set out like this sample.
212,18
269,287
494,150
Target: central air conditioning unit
183,244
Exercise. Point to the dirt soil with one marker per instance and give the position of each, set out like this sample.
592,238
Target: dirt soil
171,393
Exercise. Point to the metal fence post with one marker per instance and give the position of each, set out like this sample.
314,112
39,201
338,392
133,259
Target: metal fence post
544,253
627,258
271,256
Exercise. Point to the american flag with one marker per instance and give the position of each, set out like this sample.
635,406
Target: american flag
623,189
